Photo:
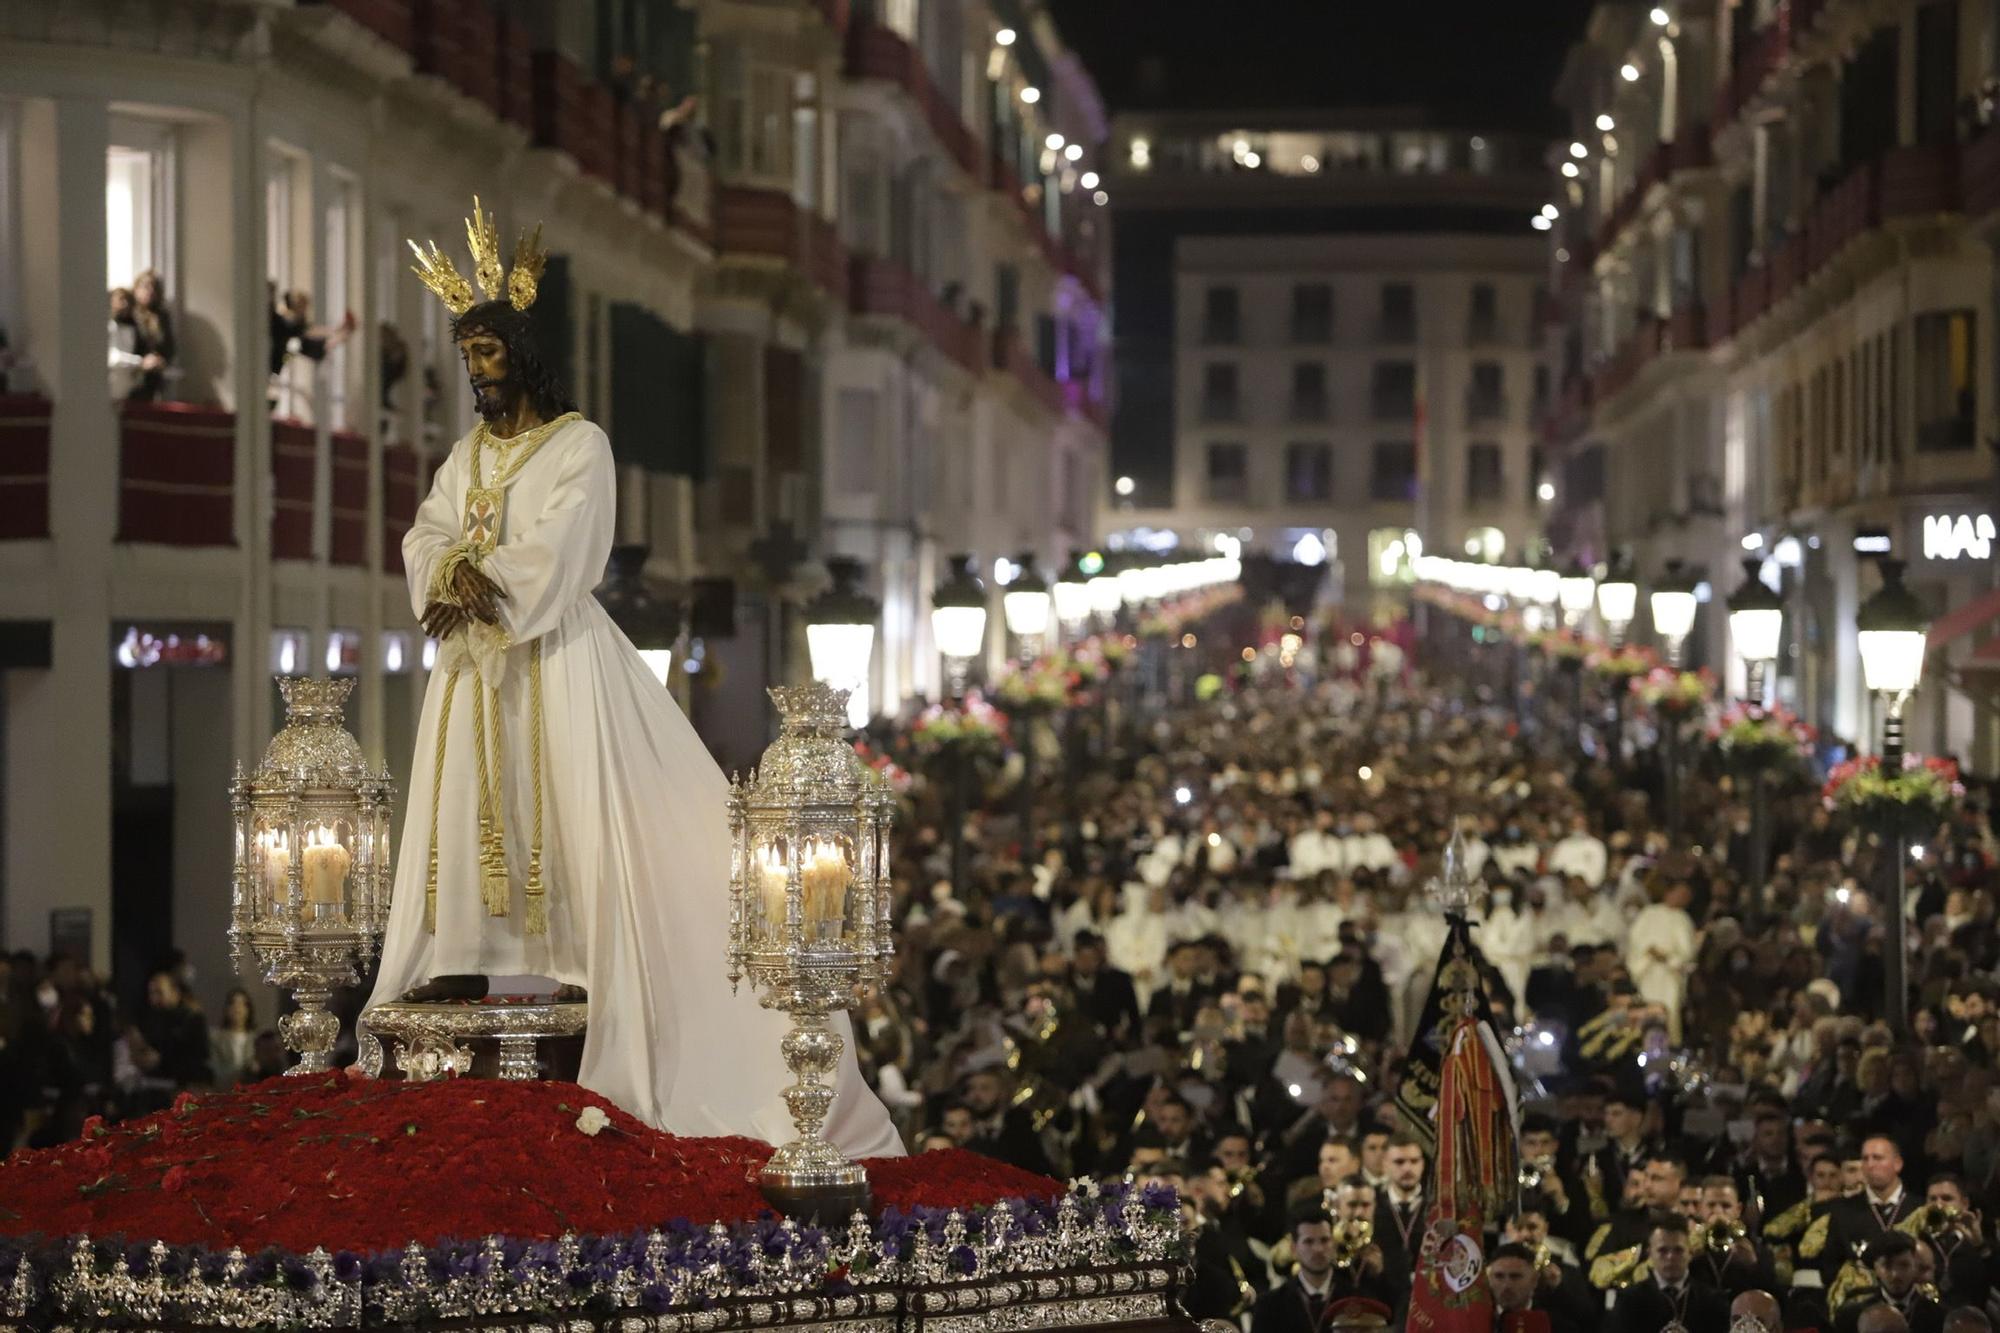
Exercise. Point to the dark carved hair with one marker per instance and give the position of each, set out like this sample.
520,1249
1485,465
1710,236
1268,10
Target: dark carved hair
550,396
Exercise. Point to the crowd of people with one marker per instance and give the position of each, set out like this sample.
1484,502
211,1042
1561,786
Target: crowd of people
1204,961
70,1050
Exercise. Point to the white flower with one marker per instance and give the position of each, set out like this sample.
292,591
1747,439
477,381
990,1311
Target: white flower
593,1121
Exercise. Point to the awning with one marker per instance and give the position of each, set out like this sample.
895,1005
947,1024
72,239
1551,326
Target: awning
1959,623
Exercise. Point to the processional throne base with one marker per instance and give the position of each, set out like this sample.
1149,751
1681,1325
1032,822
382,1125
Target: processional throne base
506,1037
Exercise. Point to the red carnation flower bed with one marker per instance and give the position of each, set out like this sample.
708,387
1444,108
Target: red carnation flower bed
360,1164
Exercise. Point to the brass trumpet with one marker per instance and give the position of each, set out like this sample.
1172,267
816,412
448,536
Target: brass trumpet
1718,1238
1940,1220
1351,1241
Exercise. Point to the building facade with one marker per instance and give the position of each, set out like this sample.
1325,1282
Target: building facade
1329,338
1774,278
165,552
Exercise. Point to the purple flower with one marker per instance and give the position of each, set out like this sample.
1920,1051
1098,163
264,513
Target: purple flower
348,1266
296,1274
656,1299
963,1260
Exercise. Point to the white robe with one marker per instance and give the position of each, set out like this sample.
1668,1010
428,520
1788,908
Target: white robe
1579,854
636,846
1662,979
1507,938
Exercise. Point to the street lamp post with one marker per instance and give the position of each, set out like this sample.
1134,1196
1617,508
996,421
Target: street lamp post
1617,599
1891,627
840,636
1673,605
1756,625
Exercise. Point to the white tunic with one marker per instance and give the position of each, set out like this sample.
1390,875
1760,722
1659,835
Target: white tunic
636,839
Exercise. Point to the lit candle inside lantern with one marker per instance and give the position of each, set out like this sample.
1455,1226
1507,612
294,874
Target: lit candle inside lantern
325,868
772,876
277,851
826,881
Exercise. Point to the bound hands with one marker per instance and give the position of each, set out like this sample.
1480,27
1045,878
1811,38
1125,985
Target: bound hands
478,598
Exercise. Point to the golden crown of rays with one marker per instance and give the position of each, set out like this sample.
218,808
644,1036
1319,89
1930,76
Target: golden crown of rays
435,269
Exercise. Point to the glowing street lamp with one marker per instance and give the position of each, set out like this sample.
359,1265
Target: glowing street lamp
1617,599
1026,606
1674,606
840,635
958,620
1756,624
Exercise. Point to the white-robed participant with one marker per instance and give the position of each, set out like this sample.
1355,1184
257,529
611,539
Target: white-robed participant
1659,950
565,822
1507,938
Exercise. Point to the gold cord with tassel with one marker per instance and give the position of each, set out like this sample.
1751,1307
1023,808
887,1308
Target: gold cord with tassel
536,920
492,822
437,795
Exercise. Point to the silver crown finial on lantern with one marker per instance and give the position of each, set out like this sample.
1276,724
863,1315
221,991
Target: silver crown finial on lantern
1455,887
311,887
809,921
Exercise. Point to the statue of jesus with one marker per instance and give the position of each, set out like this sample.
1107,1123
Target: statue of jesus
565,822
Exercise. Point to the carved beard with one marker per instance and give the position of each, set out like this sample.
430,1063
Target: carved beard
494,399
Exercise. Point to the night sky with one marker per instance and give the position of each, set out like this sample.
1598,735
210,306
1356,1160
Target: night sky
1490,64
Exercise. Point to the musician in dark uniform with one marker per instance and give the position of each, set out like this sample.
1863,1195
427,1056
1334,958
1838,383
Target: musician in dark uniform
1858,1220
1666,1300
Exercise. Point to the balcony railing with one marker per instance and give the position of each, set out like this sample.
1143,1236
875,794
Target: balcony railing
877,52
1011,356
885,287
292,449
766,224
24,467
403,488
489,56
176,475
350,498
1687,329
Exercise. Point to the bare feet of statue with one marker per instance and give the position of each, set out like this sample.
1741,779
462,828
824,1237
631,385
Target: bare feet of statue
443,990
571,995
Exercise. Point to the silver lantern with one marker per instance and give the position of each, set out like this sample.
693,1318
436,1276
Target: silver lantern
809,922
312,881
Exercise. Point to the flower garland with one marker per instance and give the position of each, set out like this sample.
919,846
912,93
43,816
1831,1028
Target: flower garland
1748,740
1673,692
1621,662
1564,646
895,775
974,723
1918,797
1046,683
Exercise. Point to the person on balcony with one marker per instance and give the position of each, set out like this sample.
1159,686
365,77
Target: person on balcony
294,334
152,339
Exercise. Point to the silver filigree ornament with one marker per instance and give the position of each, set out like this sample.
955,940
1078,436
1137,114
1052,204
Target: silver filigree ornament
310,888
809,922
